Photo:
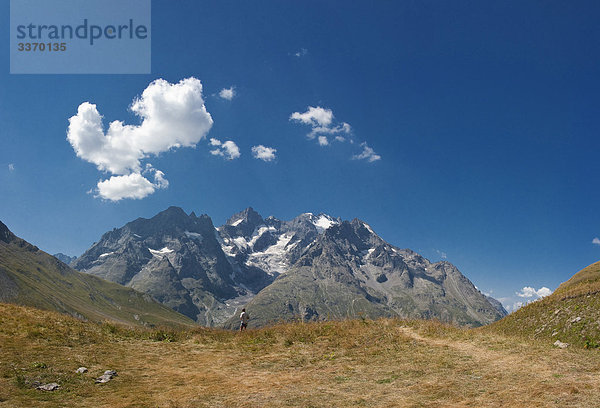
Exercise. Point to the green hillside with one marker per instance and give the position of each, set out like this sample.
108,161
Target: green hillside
571,314
31,277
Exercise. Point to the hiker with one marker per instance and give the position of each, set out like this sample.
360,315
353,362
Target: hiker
244,320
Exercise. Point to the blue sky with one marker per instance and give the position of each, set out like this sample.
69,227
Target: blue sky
484,116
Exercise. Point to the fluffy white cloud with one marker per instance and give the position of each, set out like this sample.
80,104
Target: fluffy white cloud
367,154
133,186
315,117
227,93
596,241
172,116
263,153
530,292
11,167
226,149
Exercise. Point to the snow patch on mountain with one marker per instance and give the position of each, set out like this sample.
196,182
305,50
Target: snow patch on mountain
106,254
324,222
273,259
160,252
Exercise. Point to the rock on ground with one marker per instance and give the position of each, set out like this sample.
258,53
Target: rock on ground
49,387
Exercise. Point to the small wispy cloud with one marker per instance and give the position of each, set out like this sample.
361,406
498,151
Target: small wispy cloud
367,154
263,153
228,149
442,254
301,53
227,93
11,167
321,121
596,241
325,129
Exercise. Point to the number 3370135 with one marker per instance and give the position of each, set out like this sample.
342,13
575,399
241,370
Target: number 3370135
42,46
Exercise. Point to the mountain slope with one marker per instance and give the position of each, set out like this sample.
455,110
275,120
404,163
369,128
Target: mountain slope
349,271
29,276
571,314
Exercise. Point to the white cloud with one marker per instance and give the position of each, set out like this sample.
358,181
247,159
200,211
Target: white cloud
301,53
133,186
367,154
524,296
227,93
227,149
595,241
316,117
442,254
323,141
321,122
263,153
11,167
172,116
530,292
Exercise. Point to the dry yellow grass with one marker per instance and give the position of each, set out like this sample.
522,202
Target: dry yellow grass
384,363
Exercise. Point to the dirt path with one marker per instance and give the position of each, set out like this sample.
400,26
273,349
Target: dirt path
542,374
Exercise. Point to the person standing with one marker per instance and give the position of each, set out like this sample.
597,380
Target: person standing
244,320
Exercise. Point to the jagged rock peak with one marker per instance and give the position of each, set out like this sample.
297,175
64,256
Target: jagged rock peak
172,211
248,216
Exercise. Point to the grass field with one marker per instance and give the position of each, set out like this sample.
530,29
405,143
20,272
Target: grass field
381,363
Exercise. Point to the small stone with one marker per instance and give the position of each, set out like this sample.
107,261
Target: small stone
560,344
49,387
554,333
81,370
557,311
104,378
576,319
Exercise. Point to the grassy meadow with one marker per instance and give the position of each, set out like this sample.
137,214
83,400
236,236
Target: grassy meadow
364,363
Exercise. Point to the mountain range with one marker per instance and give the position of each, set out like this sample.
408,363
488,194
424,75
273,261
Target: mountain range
313,267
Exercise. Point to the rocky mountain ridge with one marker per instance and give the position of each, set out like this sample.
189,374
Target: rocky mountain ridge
313,267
